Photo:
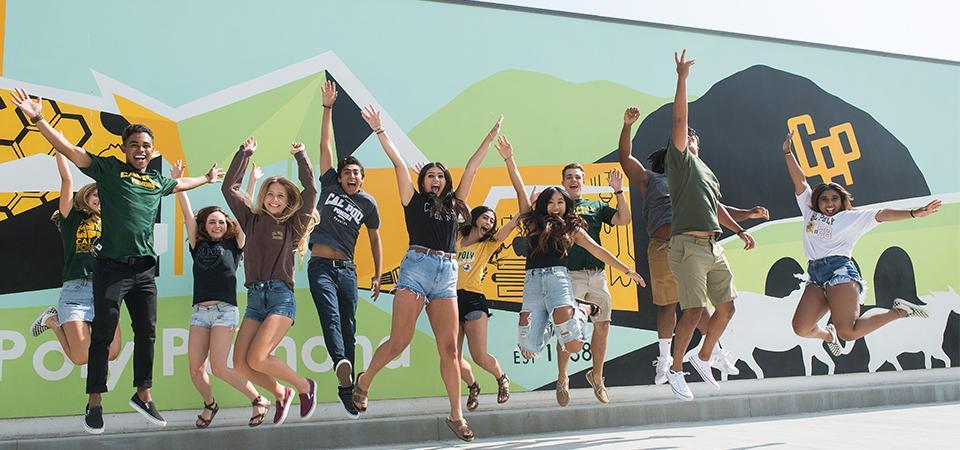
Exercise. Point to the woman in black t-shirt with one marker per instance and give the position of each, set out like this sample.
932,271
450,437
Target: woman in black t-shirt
216,245
428,273
78,220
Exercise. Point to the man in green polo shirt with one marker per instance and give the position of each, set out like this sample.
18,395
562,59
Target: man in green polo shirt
130,196
696,259
588,277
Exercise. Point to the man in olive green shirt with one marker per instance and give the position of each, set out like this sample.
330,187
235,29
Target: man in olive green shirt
130,196
696,258
588,277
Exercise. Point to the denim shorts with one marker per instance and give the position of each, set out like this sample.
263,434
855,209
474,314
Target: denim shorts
430,276
834,270
270,297
219,314
545,290
76,301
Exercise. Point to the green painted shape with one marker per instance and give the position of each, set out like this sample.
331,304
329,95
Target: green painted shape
548,120
932,243
276,117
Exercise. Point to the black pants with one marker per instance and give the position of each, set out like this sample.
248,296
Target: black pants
114,282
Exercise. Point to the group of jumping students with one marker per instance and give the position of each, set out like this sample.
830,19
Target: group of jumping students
107,232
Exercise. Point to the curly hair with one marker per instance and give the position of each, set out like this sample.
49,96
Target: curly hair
446,202
232,226
553,231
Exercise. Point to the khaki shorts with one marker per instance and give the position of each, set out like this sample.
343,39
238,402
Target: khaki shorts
701,271
591,286
662,283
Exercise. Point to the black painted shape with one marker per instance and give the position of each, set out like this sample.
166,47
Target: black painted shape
951,339
349,129
782,278
113,123
894,278
35,241
2,104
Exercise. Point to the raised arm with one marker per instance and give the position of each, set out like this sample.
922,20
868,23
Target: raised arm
796,174
636,173
256,173
66,185
329,93
584,240
372,116
890,215
186,183
506,152
724,217
32,109
615,180
305,173
739,215
679,132
189,220
469,172
377,251
234,178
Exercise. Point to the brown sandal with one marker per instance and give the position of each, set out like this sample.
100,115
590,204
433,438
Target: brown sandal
213,407
503,388
359,395
461,429
472,399
257,419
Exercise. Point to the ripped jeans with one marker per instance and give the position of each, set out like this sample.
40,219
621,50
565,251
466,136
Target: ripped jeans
545,290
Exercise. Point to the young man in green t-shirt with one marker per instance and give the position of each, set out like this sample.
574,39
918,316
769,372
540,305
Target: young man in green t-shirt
696,259
130,196
588,277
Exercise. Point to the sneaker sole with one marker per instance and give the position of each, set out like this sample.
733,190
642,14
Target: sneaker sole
681,396
706,378
151,419
92,430
344,371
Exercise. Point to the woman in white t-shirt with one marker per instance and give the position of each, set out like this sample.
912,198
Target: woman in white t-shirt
831,227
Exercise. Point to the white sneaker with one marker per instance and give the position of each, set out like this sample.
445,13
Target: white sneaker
39,325
911,309
703,368
662,364
834,344
722,361
679,385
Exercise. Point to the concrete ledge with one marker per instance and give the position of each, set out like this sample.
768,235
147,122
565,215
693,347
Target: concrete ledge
418,420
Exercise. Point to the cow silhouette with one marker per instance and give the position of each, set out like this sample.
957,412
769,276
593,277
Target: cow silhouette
914,335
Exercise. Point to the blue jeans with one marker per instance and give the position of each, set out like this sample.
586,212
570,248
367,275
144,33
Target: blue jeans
270,297
429,276
833,270
545,290
333,285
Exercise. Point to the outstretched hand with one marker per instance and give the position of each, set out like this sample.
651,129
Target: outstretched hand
328,93
631,115
215,175
26,104
788,142
250,144
418,168
759,212
176,170
371,115
256,172
495,130
615,180
534,195
297,147
925,211
504,147
683,65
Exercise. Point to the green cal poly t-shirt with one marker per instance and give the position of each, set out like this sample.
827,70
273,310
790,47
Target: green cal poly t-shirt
694,192
129,201
595,213
80,233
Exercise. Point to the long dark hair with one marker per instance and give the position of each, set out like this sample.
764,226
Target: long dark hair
475,214
846,199
554,232
446,202
204,213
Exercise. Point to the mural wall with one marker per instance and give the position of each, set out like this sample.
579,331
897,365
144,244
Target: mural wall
442,73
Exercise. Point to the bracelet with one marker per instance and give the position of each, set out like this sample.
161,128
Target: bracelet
618,192
379,130
787,153
37,118
912,216
328,106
